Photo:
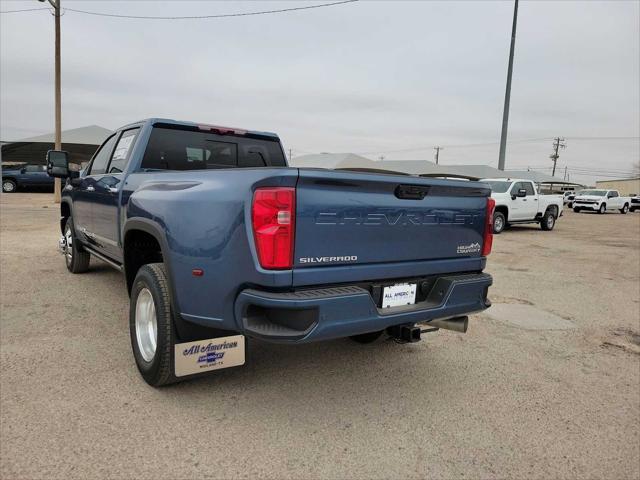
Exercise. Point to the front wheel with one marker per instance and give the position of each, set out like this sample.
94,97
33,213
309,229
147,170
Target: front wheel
151,325
9,186
624,209
76,258
603,208
499,222
548,221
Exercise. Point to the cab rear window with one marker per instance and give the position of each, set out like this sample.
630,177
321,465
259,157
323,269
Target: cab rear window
177,149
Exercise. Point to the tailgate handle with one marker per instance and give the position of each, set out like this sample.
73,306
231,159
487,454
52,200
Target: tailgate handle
411,192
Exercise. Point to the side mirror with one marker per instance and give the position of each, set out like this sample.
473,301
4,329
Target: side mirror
522,192
58,163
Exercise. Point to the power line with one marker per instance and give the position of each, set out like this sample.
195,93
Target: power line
584,172
603,138
199,17
464,145
25,10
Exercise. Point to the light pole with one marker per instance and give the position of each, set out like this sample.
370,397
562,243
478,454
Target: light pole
58,135
507,93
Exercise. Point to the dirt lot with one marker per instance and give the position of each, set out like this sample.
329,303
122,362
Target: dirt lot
549,390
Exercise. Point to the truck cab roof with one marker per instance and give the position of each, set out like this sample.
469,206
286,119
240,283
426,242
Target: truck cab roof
168,121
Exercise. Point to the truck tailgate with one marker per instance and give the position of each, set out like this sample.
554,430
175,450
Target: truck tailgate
354,218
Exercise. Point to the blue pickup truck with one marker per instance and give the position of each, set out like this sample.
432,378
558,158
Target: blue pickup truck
220,241
25,176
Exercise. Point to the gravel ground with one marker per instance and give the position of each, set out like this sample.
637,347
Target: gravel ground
509,399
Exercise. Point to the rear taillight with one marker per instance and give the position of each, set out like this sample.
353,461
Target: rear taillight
487,240
273,214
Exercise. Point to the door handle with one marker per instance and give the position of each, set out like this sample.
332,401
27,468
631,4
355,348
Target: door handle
90,189
524,199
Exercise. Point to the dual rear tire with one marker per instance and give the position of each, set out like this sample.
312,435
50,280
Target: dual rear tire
151,325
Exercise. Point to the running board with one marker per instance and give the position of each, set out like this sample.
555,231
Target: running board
106,260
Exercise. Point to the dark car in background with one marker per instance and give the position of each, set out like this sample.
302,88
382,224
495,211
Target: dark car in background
25,176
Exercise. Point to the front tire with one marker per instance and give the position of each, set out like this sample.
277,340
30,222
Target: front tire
499,222
624,209
603,209
548,221
151,325
9,186
76,258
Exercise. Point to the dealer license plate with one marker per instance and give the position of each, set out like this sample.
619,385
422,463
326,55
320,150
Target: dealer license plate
206,355
397,295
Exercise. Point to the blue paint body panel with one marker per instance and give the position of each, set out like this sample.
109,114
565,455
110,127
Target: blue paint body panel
202,219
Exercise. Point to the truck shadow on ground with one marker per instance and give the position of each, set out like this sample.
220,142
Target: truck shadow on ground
290,375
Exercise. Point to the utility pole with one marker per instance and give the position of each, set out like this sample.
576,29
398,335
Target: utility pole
565,173
289,155
58,97
557,144
507,93
437,149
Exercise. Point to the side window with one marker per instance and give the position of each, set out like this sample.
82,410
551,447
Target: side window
122,151
516,186
100,160
528,186
33,168
614,194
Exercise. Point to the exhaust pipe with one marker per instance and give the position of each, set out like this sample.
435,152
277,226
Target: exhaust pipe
457,324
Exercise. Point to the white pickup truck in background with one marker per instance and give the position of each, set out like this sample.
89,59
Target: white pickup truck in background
518,201
601,201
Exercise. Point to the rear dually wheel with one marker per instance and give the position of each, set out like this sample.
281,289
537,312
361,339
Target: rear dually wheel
151,326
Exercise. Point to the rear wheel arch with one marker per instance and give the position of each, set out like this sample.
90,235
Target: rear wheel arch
553,209
142,244
146,234
503,209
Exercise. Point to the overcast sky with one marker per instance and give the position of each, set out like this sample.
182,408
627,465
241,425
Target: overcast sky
368,77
